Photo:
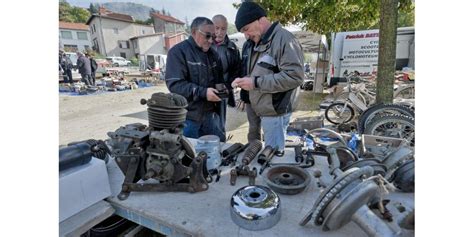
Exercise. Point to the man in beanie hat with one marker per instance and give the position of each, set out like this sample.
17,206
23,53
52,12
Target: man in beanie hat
193,69
273,70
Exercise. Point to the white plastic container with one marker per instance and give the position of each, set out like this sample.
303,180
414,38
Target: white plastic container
212,146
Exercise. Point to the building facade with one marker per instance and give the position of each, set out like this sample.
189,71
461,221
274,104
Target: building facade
74,37
111,33
167,24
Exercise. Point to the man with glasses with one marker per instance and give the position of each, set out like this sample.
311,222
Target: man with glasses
192,70
230,59
273,71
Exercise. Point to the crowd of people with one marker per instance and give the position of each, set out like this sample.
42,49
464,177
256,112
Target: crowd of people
267,73
86,65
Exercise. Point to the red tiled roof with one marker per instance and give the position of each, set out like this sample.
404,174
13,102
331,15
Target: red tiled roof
111,15
73,26
167,18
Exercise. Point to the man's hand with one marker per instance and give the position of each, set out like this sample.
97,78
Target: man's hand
211,95
245,83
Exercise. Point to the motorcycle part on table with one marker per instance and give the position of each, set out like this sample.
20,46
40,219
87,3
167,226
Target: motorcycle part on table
159,154
255,208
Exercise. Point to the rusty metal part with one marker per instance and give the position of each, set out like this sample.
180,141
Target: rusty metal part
299,158
251,152
243,171
229,155
159,153
382,208
265,157
287,179
266,154
166,110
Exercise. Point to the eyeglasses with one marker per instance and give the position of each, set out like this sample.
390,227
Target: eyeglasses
208,35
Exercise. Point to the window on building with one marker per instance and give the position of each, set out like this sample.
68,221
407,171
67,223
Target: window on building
94,28
123,55
66,34
143,32
135,44
124,44
70,48
96,45
87,48
82,35
116,31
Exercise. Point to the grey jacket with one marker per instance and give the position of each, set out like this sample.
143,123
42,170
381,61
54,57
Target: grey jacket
276,64
84,65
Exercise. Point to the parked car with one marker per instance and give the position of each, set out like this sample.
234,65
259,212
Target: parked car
118,61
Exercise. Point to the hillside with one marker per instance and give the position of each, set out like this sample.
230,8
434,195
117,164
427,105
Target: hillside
138,11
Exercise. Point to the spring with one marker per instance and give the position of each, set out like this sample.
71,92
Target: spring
251,152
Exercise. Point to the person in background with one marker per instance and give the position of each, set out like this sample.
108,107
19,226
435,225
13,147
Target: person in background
66,65
84,67
275,71
93,67
230,59
193,69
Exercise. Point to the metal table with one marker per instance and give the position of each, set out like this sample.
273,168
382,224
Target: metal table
208,213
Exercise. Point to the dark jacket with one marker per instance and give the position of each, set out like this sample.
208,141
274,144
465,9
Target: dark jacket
276,66
93,65
84,65
230,59
65,62
189,72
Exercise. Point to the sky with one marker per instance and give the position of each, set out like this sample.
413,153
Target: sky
180,8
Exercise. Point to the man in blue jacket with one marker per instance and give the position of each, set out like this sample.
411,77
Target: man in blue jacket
192,70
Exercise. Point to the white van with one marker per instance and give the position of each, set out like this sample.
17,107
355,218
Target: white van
153,62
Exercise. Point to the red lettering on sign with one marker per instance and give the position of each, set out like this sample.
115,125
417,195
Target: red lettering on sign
357,36
370,35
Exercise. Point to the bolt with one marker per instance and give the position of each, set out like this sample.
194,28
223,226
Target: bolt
317,173
125,187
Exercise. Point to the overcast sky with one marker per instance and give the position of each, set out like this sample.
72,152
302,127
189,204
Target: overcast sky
180,8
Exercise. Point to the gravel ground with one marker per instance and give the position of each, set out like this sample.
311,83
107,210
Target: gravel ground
92,116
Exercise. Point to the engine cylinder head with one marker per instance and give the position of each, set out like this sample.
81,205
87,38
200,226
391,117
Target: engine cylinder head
166,110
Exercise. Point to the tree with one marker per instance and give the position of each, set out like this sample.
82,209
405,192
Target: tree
80,15
163,11
231,29
93,9
64,11
325,17
387,50
68,13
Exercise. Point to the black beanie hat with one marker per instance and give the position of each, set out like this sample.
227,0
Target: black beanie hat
248,13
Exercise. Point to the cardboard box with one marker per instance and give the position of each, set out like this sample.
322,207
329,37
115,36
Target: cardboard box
378,146
308,123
